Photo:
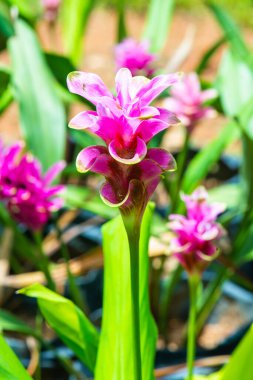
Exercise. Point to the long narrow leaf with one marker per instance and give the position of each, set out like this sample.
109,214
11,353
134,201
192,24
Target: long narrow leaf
75,14
10,366
235,83
41,112
68,321
231,31
205,159
9,322
115,356
159,18
30,9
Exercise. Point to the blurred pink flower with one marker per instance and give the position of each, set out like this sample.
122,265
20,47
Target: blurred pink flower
197,233
126,122
51,8
27,194
187,101
126,184
135,56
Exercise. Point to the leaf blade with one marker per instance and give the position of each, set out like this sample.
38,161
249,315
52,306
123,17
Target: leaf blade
41,112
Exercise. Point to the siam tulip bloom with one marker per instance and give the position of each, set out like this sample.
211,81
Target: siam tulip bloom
135,56
197,233
27,194
51,9
126,186
125,122
187,101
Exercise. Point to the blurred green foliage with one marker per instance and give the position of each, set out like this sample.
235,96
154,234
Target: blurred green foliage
240,10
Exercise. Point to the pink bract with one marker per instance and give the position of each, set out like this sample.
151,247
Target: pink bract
126,183
135,56
28,194
187,101
197,233
125,122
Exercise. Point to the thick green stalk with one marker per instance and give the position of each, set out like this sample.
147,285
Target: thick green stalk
44,261
194,282
133,233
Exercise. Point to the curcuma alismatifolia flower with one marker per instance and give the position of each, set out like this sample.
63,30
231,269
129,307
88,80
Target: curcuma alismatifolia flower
187,101
126,123
28,194
197,234
135,56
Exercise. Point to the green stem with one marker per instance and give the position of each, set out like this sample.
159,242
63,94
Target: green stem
194,282
43,260
133,234
121,32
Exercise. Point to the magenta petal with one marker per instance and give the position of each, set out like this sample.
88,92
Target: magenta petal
150,176
147,112
167,116
209,94
53,172
139,154
88,85
122,80
149,128
87,157
155,87
108,107
163,158
84,120
110,197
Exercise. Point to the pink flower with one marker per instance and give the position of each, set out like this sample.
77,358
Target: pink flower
125,122
27,194
187,101
197,233
126,185
135,56
51,8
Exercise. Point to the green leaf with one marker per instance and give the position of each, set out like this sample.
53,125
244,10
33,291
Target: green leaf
232,32
229,193
10,366
29,9
159,18
240,364
6,95
209,54
115,357
235,83
122,32
9,322
60,67
75,15
245,253
68,321
87,199
41,112
6,28
6,99
201,164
